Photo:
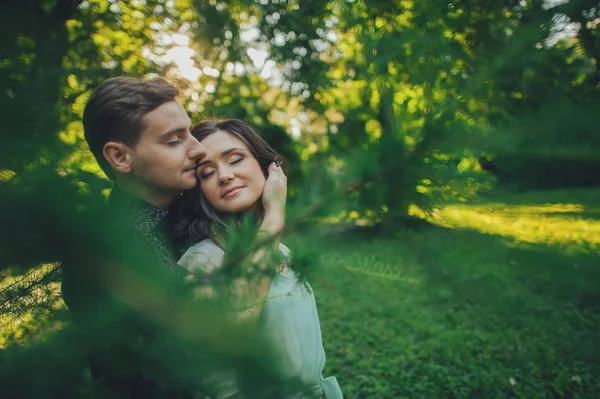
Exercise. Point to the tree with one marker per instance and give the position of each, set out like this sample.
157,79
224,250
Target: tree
414,89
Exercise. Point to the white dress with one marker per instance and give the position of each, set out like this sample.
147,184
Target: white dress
289,320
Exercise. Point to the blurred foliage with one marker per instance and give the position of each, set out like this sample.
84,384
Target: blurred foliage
388,112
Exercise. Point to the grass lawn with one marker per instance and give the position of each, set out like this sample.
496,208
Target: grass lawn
496,299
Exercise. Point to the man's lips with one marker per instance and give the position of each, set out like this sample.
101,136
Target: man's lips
231,190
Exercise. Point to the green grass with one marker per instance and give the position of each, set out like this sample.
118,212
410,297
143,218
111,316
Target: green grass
495,299
498,298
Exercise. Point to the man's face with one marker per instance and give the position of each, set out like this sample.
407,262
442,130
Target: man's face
164,160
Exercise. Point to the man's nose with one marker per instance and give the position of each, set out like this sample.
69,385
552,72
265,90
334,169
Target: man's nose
198,151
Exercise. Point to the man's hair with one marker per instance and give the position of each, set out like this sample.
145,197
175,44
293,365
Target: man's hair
116,109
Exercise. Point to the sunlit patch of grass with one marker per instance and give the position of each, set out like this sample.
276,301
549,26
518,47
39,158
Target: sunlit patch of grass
373,266
571,227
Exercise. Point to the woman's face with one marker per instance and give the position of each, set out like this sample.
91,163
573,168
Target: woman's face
230,177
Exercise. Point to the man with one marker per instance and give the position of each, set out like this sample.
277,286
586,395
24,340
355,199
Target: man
115,286
140,137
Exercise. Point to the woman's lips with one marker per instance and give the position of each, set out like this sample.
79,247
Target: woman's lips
231,192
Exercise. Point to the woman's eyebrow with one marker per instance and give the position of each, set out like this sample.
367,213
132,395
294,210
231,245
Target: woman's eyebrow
224,153
229,151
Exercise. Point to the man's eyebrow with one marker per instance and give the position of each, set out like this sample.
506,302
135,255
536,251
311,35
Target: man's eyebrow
174,131
224,153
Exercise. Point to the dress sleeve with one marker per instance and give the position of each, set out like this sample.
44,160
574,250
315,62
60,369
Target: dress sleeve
205,257
285,251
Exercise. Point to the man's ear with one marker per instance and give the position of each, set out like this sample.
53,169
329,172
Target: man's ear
118,156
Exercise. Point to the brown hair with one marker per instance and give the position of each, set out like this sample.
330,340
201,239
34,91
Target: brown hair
116,111
195,218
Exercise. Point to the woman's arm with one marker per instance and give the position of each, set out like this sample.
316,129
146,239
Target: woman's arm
267,240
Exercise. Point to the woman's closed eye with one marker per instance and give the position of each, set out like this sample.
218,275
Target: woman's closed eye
206,173
236,159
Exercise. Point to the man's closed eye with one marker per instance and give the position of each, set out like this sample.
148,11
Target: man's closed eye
174,142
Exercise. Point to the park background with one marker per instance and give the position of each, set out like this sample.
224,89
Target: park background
444,175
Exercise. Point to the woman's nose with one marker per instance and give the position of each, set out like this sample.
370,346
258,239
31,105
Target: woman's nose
225,175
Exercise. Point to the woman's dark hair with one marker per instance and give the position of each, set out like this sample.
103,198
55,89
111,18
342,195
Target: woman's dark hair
194,218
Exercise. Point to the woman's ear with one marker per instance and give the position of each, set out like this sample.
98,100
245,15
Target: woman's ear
118,156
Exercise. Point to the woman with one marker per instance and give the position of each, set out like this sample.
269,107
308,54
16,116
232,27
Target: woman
241,177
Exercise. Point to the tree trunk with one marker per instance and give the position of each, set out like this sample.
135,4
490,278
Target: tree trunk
396,180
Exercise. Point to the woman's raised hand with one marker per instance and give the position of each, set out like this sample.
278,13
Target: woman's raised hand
273,198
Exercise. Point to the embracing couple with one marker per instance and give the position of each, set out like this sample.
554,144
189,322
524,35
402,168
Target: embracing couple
176,188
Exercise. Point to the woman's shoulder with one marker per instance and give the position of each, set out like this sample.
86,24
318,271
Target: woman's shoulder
285,251
207,246
204,256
